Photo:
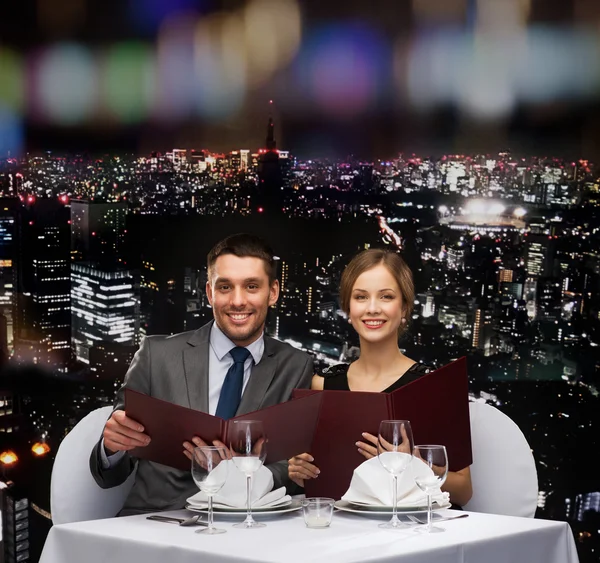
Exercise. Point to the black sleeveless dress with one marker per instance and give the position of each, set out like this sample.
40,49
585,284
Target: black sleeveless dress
336,377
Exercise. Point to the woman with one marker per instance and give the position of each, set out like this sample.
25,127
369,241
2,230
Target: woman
377,294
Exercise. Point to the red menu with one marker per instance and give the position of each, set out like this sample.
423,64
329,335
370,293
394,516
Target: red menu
289,427
327,424
437,405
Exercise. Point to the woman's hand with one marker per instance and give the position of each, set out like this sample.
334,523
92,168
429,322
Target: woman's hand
368,448
300,468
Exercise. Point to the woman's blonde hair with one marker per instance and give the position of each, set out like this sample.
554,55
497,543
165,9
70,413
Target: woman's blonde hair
368,259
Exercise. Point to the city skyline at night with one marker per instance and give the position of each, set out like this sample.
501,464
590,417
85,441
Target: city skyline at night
99,252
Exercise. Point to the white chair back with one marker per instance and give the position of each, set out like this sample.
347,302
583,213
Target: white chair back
503,472
74,494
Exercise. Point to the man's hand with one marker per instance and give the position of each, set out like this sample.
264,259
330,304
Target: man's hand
122,433
188,448
300,468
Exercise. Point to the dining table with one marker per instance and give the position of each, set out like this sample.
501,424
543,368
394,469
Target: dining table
479,537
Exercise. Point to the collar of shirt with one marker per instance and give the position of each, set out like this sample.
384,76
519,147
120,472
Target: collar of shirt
221,345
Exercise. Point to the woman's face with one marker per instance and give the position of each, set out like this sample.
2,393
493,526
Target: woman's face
376,305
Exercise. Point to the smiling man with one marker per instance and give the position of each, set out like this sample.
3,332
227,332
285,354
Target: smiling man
228,367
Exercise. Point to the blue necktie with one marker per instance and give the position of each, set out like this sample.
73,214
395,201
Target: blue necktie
231,392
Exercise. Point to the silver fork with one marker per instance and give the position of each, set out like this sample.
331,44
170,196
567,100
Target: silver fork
440,519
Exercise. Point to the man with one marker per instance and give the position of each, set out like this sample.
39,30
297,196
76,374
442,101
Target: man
228,367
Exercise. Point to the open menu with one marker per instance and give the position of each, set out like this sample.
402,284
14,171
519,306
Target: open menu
325,423
289,427
436,404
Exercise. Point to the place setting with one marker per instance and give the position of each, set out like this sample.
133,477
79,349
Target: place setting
403,481
233,481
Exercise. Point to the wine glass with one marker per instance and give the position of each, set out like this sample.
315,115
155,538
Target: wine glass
248,445
395,452
436,458
210,473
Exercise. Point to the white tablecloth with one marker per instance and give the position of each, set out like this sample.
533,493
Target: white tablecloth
481,538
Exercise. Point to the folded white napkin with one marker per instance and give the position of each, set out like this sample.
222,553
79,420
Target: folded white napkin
233,493
372,485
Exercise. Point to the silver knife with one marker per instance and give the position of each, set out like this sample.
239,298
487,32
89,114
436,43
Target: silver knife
193,521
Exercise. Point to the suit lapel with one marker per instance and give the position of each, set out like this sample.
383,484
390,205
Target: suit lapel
260,379
195,367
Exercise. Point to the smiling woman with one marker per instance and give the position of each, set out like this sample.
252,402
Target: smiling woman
377,293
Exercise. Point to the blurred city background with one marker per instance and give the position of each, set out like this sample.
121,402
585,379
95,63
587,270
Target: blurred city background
461,133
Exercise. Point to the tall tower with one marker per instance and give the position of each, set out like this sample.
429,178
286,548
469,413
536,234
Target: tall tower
42,321
269,196
8,260
271,144
105,295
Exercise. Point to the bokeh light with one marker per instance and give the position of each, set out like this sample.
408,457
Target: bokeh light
65,79
128,78
272,34
342,67
439,11
486,75
175,90
12,87
220,67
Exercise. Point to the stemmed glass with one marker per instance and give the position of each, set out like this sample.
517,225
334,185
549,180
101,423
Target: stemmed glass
436,458
395,451
210,474
248,445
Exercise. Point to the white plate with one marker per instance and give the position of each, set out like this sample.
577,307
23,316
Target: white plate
383,510
291,506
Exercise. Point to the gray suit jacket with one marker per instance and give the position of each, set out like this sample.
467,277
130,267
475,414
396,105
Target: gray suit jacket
175,369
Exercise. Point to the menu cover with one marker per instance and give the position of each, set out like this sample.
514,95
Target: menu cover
437,405
289,427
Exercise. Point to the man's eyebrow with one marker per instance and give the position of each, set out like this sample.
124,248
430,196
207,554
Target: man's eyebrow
247,280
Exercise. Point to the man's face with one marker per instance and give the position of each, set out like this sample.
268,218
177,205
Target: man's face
240,294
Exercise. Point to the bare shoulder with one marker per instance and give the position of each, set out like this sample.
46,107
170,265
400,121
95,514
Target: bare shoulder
317,382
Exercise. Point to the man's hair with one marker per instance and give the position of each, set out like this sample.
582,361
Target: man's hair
368,259
244,245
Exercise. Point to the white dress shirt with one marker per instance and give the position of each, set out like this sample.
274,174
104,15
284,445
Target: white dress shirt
219,362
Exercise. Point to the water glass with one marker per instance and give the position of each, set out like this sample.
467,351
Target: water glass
317,511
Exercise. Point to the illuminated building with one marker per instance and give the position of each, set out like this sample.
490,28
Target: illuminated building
245,159
179,159
7,270
482,330
235,160
98,231
456,258
549,299
105,308
43,317
429,306
540,255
